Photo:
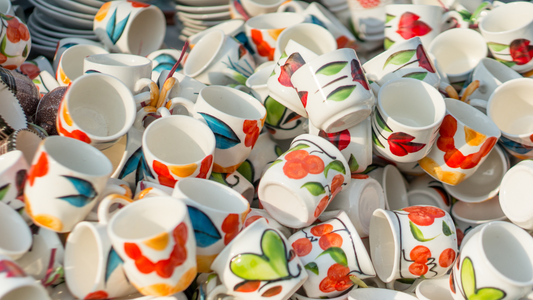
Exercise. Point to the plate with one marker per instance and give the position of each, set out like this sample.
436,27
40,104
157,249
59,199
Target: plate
208,17
93,3
189,32
54,34
202,2
66,19
44,4
41,20
37,40
75,6
191,25
43,50
200,22
202,9
43,39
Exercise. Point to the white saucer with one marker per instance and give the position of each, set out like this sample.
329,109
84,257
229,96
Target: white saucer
210,17
191,25
202,2
36,39
32,24
75,6
60,10
44,21
202,9
68,20
93,3
43,50
199,22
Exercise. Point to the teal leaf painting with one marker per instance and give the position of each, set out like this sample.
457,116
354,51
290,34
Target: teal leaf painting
131,164
86,191
92,71
113,261
224,135
317,21
205,231
165,58
114,30
143,171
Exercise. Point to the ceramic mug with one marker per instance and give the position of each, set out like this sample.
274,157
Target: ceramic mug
484,269
217,214
163,59
328,275
359,200
215,57
130,27
334,91
393,184
25,140
434,289
17,237
465,138
70,65
133,70
513,203
427,191
406,119
158,250
258,246
99,116
45,82
79,173
13,171
449,50
236,118
300,184
509,109
313,37
509,41
93,268
234,28
17,43
369,19
263,31
413,242
15,284
66,43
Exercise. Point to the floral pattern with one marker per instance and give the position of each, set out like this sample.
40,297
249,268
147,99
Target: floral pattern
16,42
470,290
263,48
520,52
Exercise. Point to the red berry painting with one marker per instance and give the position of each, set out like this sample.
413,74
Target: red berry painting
411,26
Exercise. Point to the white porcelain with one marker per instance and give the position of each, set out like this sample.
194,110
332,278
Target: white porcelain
223,15
434,289
70,65
13,171
63,16
185,19
15,284
258,7
378,293
237,182
57,9
513,200
75,6
163,60
233,28
449,50
202,9
313,37
393,184
66,43
370,19
256,214
425,190
16,236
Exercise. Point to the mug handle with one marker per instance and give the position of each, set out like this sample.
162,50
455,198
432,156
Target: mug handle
214,294
188,104
373,84
103,208
297,8
471,88
144,112
151,192
478,103
142,98
452,14
445,87
168,85
110,188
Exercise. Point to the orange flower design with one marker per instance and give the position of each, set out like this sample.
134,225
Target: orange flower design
39,169
16,30
252,132
100,15
164,176
263,48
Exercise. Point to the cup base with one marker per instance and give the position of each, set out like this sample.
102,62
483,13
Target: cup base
346,119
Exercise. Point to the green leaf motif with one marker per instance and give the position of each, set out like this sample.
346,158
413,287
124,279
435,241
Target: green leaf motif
3,48
278,150
331,68
400,57
283,55
337,254
510,64
389,18
312,267
218,177
496,47
417,233
247,170
387,43
275,111
25,51
270,265
465,14
468,280
352,162
277,161
315,188
335,165
298,147
381,122
3,191
239,77
36,81
416,75
341,93
375,140
446,229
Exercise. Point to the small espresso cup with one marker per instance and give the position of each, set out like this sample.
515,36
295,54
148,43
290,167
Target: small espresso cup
513,196
15,284
163,237
97,116
509,108
133,70
300,184
466,137
427,191
70,65
414,242
406,119
130,27
334,90
312,36
235,117
258,246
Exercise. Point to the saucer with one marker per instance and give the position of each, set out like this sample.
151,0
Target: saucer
209,17
68,20
202,9
202,2
75,6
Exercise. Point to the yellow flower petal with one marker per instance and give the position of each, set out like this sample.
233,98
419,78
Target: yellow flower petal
163,289
274,33
183,171
474,138
158,243
100,15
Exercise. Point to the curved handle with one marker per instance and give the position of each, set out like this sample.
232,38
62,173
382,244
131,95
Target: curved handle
471,88
151,192
410,290
188,104
214,294
452,14
152,95
144,112
478,103
296,7
103,209
168,85
448,90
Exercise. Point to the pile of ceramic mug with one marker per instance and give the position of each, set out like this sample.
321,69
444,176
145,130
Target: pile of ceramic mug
278,156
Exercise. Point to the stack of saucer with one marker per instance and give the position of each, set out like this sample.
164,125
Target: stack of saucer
198,15
53,20
339,8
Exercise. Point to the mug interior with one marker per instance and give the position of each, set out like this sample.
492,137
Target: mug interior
82,259
230,27
232,102
145,219
508,249
514,189
394,188
501,72
101,105
72,59
204,52
412,103
274,20
511,107
311,36
259,78
26,292
471,117
267,2
179,140
213,195
382,245
422,197
370,199
13,238
77,156
508,17
9,159
119,60
478,212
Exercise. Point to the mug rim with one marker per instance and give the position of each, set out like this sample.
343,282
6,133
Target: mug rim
213,34
392,274
9,160
238,95
525,165
505,6
472,221
143,61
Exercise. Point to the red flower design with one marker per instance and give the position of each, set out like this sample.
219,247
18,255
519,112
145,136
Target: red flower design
16,30
164,176
521,51
424,215
39,169
423,60
410,26
252,131
401,144
230,226
97,295
337,279
138,4
358,75
293,63
263,48
206,164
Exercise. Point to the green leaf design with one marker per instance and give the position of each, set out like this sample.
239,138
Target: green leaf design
335,165
315,188
239,77
247,170
416,75
25,51
283,55
381,122
218,177
406,280
341,93
497,47
417,233
3,48
273,72
387,43
275,111
446,229
312,267
468,280
298,147
337,254
352,162
3,191
465,14
389,18
399,58
270,265
507,63
376,140
331,68
278,150
277,161
36,81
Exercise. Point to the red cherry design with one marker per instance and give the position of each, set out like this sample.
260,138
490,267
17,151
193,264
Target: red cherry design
424,215
446,258
401,144
302,247
410,26
230,226
300,163
369,3
337,279
420,256
322,229
330,240
336,185
293,63
16,30
321,206
341,140
521,51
